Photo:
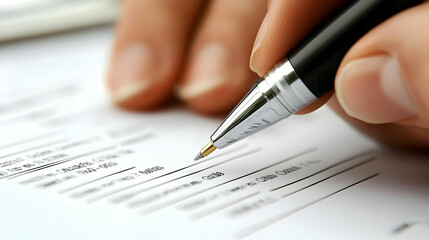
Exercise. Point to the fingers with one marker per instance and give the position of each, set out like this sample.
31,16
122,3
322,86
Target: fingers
385,76
148,52
217,74
392,135
285,24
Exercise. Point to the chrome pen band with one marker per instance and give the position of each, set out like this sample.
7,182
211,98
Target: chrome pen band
288,87
275,97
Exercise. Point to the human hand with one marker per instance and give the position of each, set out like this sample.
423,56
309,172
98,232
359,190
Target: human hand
187,48
382,83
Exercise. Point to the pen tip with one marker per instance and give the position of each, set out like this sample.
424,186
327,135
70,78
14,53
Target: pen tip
198,157
209,148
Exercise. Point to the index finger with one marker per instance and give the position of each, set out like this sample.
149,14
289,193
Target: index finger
286,23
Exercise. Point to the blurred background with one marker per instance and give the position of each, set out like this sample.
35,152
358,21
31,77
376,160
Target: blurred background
29,18
53,53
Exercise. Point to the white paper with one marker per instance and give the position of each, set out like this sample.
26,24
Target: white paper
73,167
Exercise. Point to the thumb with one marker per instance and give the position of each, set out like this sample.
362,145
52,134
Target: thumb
385,77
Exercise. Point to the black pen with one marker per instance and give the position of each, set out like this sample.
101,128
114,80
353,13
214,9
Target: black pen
306,73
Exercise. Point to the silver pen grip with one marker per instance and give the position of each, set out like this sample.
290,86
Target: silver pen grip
276,96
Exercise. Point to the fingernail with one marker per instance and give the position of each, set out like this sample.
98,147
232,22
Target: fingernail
132,71
258,41
373,90
209,71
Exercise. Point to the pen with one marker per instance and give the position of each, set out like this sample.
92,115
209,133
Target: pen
306,73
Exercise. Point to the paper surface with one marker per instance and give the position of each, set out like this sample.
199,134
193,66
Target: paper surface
73,167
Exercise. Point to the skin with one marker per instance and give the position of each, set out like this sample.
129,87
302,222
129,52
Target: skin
199,52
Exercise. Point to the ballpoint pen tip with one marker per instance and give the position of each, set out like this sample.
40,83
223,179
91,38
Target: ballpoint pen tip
209,148
198,157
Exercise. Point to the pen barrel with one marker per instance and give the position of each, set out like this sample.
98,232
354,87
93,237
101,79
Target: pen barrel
318,57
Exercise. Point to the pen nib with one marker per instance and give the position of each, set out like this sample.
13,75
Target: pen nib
209,148
198,157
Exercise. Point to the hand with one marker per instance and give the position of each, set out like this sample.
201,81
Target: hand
382,85
187,48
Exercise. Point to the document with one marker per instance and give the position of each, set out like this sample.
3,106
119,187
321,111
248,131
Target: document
72,166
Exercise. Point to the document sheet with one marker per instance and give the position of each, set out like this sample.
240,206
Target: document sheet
72,166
